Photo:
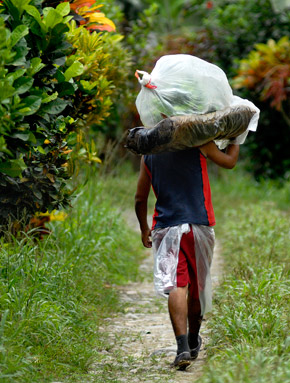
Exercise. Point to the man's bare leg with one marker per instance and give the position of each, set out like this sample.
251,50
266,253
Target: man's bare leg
177,307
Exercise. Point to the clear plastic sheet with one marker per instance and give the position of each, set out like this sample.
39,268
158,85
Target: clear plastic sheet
166,245
181,84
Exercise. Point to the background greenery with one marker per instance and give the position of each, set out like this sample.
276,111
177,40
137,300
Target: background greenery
58,78
67,92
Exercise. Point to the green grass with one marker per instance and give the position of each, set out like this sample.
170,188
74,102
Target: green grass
250,339
55,293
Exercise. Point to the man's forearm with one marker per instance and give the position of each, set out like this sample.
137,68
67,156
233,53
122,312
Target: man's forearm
232,152
141,212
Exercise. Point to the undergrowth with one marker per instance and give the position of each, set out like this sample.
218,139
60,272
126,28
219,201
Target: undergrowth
56,292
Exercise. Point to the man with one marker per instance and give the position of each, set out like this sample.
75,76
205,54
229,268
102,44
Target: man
183,197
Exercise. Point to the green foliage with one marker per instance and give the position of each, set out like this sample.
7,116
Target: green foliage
235,27
142,38
105,66
171,14
250,322
233,30
36,95
265,75
102,86
266,70
144,43
55,293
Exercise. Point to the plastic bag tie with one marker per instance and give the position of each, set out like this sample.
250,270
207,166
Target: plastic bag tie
146,79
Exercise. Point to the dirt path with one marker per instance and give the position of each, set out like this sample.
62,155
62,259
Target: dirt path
143,334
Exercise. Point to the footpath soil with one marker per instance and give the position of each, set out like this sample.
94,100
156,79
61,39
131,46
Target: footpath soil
142,336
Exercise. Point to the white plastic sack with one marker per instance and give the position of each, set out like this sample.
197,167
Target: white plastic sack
166,245
183,84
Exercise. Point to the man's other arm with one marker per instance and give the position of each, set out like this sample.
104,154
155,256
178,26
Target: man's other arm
226,160
141,198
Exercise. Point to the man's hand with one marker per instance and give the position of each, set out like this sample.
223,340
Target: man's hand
146,238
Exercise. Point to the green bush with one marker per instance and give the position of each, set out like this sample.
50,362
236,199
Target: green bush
265,75
56,81
102,86
37,92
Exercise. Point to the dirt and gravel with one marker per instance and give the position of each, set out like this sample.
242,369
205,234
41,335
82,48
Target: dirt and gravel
143,335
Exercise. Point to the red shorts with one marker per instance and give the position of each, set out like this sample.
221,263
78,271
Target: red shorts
186,267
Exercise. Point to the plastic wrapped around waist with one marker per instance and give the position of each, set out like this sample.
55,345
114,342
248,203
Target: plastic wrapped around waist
166,245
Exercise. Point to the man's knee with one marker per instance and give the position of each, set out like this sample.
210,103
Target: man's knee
179,290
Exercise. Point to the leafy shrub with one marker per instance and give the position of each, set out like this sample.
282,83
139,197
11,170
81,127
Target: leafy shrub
100,54
54,79
266,71
90,15
37,91
103,87
264,74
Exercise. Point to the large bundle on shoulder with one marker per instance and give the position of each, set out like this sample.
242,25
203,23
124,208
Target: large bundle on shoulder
188,102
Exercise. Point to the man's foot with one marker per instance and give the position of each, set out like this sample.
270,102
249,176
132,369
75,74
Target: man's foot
194,351
182,360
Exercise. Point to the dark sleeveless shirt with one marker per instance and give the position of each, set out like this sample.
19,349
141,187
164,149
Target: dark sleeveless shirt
181,185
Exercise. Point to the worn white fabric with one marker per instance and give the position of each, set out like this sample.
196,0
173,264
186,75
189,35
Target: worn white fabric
166,245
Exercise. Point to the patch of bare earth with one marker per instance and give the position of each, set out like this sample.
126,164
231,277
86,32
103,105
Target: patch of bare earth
142,339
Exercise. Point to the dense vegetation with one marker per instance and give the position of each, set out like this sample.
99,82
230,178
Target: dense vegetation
55,293
56,80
